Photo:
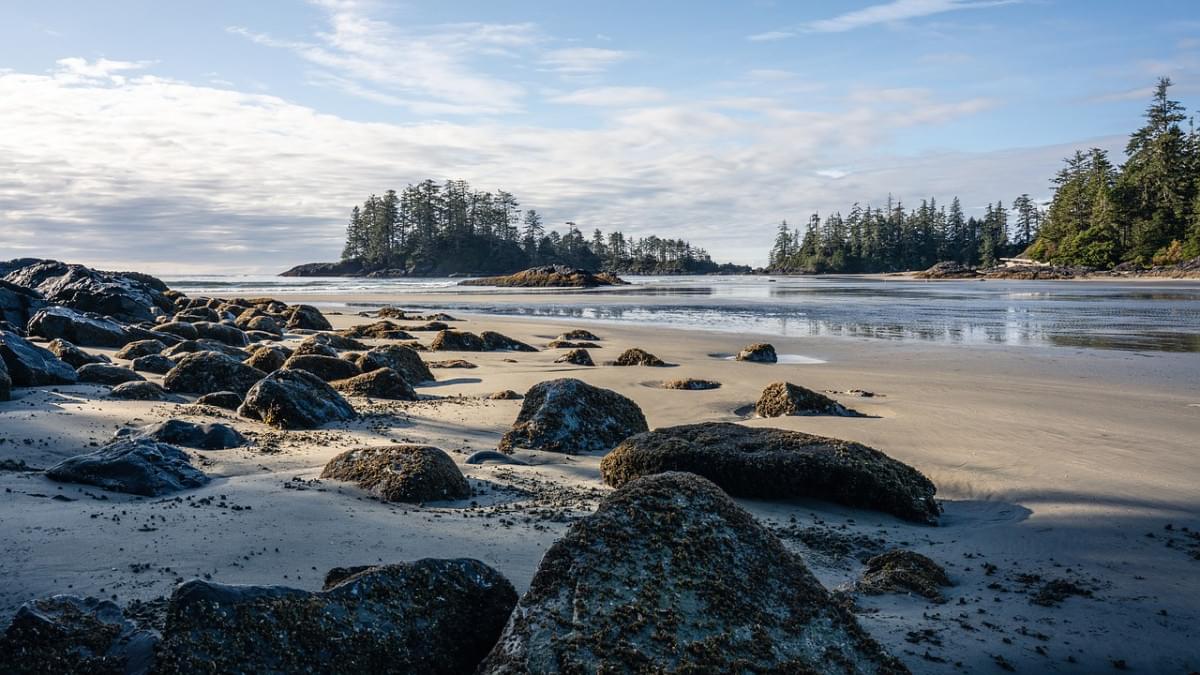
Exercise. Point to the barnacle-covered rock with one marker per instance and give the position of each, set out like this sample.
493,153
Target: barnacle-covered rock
401,473
571,416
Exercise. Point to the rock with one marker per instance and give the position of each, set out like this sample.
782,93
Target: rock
571,416
31,366
106,373
267,359
496,342
903,572
263,324
203,345
691,384
762,463
180,329
638,357
336,342
328,368
230,335
154,363
578,334
69,634
72,355
399,358
82,329
139,390
435,617
380,330
206,372
579,357
5,383
139,348
564,344
136,466
759,352
226,400
194,315
780,399
401,473
452,363
344,268
669,575
307,317
294,399
493,457
505,395
457,341
557,276
311,347
18,304
948,270
427,327
379,383
124,296
178,432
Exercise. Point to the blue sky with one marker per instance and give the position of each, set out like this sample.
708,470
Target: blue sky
236,135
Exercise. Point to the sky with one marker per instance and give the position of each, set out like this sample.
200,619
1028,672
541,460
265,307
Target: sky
227,136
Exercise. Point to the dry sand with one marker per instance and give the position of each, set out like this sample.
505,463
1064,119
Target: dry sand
1057,463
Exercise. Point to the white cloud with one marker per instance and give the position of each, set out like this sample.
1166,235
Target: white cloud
611,96
889,12
583,60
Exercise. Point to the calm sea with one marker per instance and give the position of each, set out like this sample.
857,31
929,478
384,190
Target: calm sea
1138,316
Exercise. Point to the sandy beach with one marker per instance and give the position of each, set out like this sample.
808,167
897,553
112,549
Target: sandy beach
1050,464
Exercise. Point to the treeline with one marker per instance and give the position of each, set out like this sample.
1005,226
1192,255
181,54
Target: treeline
894,239
436,229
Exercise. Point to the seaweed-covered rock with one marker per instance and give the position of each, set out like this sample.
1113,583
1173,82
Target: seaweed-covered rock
567,344
379,383
203,345
435,617
669,575
380,330
578,334
401,473
948,270
31,366
82,329
780,399
133,465
338,342
457,341
497,342
549,276
125,296
903,572
106,373
139,390
777,464
579,357
226,400
294,399
153,363
571,416
69,634
260,323
72,355
307,317
268,359
691,384
451,363
206,372
399,358
328,368
759,352
139,348
311,347
638,357
505,395
212,436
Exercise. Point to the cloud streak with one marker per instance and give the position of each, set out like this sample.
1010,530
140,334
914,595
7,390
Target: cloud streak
885,13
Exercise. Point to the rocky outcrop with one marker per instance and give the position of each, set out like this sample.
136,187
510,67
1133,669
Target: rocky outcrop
638,357
759,352
328,368
399,358
780,399
89,330
344,268
948,270
572,416
106,373
294,399
72,355
206,372
669,575
306,317
457,341
69,634
139,348
139,390
379,383
153,363
31,366
578,334
579,357
135,466
763,463
903,572
496,342
401,473
124,296
18,304
549,276
435,617
179,432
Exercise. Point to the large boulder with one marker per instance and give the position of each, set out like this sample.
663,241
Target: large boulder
267,359
140,390
759,352
69,634
31,366
206,372
106,373
139,348
780,399
180,329
213,436
294,399
669,575
399,358
204,345
125,296
18,304
328,368
226,400
497,342
379,383
134,465
314,347
72,355
153,363
401,473
457,341
429,616
230,335
777,464
572,416
380,330
89,330
307,317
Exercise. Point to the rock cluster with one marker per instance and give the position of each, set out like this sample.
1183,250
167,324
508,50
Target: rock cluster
29,365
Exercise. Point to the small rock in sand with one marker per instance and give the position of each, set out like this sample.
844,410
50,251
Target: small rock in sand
106,373
759,352
780,399
638,357
401,473
153,363
294,399
579,357
139,390
691,384
226,400
903,572
140,348
379,383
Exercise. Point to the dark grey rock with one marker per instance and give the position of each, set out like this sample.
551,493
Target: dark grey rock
72,355
307,317
31,366
106,373
328,368
379,383
136,466
571,416
759,352
18,304
206,372
493,457
227,400
295,399
204,345
140,391
139,348
89,330
153,363
579,357
124,296
496,342
180,329
179,432
401,473
230,335
69,634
